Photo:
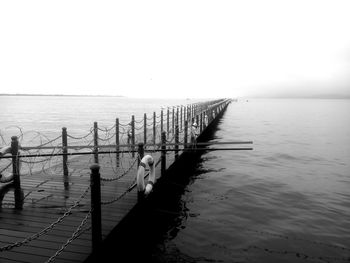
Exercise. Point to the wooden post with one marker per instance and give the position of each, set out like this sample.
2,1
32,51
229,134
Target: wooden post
18,193
206,118
173,122
163,154
133,136
161,122
65,157
210,117
181,118
141,152
177,117
64,151
117,140
185,134
191,111
95,142
194,111
176,141
167,122
154,127
15,161
144,128
187,113
96,206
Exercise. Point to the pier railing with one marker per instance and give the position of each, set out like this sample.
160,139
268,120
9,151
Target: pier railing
121,146
122,138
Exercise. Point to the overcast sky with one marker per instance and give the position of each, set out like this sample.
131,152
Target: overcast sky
176,48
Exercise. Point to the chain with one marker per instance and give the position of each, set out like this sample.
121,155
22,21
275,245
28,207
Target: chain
41,161
41,146
47,229
72,238
131,186
106,139
120,176
105,129
6,167
79,138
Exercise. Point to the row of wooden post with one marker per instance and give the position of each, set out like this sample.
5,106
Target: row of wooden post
191,112
95,168
187,115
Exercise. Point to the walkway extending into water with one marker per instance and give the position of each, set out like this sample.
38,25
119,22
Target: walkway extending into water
54,210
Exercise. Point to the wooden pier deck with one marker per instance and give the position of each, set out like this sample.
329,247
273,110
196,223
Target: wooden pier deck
53,222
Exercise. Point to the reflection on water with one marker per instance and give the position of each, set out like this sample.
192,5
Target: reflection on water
160,218
286,201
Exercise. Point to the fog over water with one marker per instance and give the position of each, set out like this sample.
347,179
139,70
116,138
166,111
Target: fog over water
157,49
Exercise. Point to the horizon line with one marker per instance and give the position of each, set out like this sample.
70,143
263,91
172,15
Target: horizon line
319,96
57,95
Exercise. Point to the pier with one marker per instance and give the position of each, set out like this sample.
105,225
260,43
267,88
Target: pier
65,196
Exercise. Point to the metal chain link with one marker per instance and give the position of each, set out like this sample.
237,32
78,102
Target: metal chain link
43,144
6,167
48,228
120,176
34,162
72,238
79,138
105,129
106,139
131,186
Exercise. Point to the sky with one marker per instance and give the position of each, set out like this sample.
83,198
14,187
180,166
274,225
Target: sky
176,49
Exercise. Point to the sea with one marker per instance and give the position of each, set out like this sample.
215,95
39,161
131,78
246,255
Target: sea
287,200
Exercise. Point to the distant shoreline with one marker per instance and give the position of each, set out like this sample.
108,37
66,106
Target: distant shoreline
58,95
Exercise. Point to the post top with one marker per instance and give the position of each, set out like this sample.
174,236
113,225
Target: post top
95,166
14,138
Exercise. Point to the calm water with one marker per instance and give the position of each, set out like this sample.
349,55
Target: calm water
49,114
288,200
